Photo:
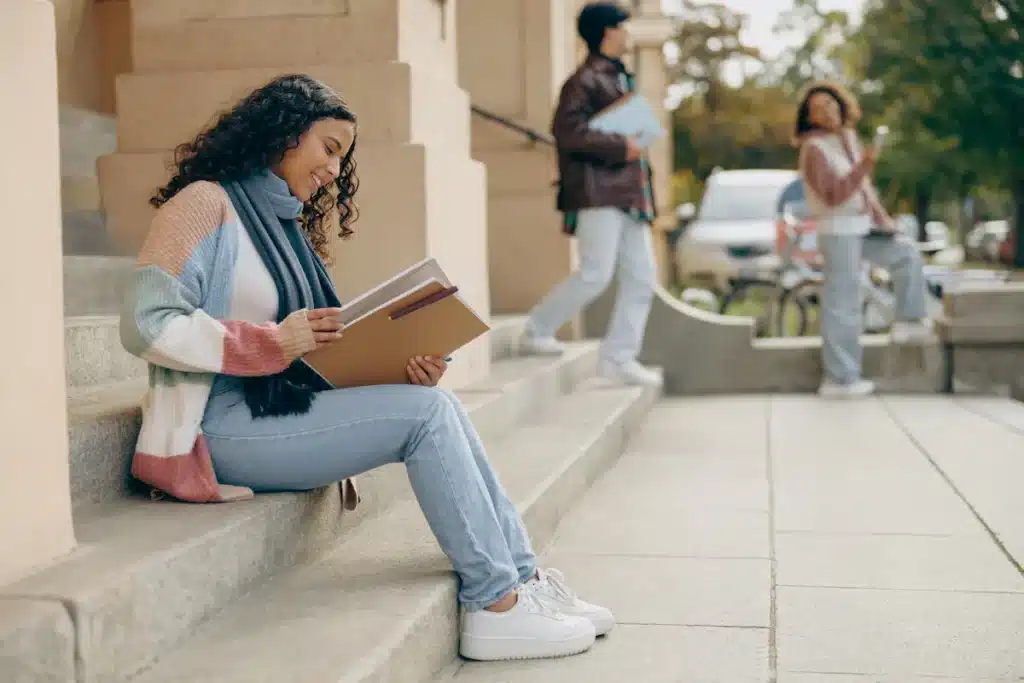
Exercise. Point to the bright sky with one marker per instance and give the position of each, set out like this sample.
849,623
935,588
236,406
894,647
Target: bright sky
762,17
764,13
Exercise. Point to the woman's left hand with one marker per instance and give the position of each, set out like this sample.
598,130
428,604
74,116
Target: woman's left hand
426,371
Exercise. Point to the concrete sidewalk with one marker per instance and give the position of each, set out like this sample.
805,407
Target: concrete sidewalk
788,539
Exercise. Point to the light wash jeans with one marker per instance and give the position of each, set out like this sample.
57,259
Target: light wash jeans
351,431
841,306
608,239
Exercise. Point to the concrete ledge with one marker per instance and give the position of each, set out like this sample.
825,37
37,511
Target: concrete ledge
708,353
982,325
37,642
382,608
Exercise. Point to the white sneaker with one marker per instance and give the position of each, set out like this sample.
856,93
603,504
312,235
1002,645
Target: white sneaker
532,345
551,589
630,373
915,332
530,630
858,389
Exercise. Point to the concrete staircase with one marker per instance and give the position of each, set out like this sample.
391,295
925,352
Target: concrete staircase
286,587
95,284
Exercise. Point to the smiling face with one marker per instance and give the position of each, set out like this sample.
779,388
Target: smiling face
823,111
316,161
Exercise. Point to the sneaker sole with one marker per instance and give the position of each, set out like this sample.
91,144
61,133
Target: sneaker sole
508,649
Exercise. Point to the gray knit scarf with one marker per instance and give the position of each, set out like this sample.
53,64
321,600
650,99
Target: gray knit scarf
270,215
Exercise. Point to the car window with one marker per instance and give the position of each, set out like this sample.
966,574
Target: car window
739,202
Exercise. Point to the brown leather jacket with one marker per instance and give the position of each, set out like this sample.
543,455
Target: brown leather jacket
592,165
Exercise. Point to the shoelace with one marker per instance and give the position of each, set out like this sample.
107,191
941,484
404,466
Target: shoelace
528,599
556,580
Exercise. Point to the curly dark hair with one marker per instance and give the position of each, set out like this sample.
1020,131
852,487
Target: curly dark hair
256,133
849,109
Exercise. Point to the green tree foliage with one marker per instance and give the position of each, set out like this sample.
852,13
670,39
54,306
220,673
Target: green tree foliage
952,77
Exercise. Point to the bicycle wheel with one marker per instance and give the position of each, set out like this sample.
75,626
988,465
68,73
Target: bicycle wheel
799,310
755,299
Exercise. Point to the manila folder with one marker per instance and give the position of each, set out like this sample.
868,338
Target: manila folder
430,320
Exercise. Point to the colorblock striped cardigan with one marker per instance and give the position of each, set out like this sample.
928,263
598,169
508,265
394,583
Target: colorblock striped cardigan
178,317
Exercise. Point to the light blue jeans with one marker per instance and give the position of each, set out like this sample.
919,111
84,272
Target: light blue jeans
351,431
608,239
841,306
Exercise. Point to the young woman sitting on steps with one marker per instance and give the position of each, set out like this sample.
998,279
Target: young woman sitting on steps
231,290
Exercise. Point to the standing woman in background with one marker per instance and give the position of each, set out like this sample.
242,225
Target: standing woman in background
853,226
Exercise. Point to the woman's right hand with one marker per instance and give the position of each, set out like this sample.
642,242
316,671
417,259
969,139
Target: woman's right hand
871,154
326,325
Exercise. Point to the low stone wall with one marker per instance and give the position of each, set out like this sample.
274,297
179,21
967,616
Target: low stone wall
707,353
984,325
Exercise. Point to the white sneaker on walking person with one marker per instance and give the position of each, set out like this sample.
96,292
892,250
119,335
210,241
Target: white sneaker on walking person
859,389
630,373
534,345
530,630
904,332
550,588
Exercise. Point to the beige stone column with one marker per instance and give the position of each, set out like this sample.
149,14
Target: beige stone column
650,30
35,525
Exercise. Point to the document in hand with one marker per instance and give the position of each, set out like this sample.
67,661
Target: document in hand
632,116
415,313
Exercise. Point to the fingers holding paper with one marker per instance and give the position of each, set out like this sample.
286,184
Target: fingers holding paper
326,324
426,371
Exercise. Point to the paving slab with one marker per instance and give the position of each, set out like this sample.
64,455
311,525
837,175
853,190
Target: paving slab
848,466
652,654
997,409
855,678
672,591
649,506
901,633
894,561
720,426
982,458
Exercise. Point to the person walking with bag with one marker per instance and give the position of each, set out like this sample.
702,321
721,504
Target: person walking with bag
606,197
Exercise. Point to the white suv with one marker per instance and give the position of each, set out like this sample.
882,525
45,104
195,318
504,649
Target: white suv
735,228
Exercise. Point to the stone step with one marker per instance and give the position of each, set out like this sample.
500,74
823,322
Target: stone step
396,103
95,285
382,607
795,365
146,573
92,347
103,417
260,34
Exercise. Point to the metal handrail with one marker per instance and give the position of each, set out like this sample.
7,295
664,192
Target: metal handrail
529,133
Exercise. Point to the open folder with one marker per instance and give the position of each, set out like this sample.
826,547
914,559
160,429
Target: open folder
415,313
632,116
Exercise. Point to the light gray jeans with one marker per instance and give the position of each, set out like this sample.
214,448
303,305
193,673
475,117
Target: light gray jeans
841,307
608,239
351,431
